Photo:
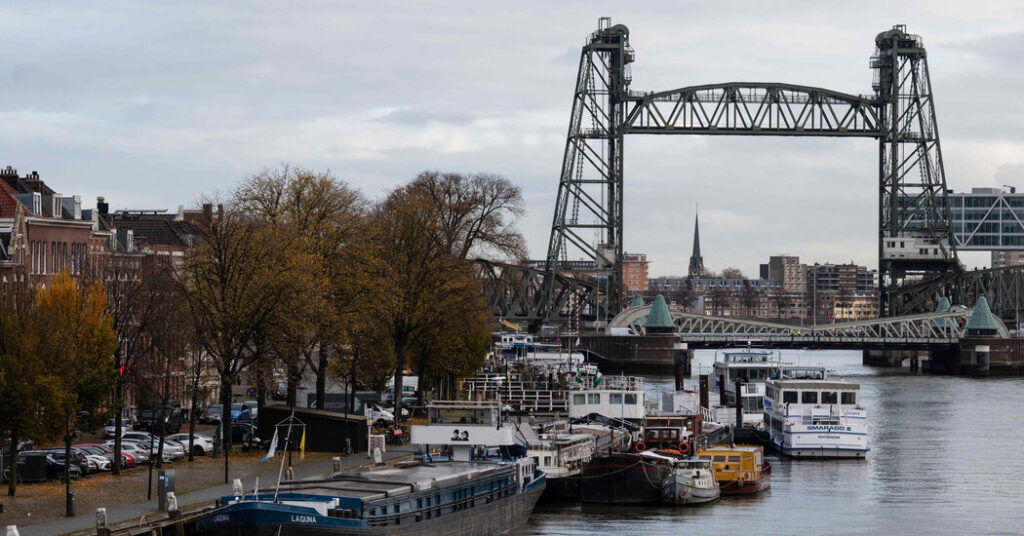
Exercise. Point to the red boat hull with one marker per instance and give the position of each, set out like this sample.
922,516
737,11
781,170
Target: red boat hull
752,486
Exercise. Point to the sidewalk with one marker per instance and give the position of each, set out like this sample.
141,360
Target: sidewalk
197,483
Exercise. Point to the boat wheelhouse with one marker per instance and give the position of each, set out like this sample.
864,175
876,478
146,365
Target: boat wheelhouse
620,397
692,482
816,418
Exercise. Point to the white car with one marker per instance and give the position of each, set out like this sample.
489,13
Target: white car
102,463
172,450
110,429
130,447
201,445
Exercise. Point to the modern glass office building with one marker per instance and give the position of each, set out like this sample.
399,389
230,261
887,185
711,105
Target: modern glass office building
987,219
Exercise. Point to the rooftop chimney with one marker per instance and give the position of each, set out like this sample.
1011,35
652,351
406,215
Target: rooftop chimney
208,212
101,206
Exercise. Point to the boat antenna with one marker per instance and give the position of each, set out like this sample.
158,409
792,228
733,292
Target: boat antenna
287,442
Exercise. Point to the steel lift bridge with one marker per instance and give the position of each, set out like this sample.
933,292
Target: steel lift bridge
915,232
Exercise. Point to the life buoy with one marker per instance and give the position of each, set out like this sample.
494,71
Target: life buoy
640,447
684,447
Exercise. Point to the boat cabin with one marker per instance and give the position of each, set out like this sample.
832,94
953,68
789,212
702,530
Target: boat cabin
670,431
559,455
618,398
463,425
813,402
735,463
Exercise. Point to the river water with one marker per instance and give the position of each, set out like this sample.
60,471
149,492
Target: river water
947,457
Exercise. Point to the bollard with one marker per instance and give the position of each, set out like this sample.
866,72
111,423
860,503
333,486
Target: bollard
101,522
70,504
376,456
337,463
172,502
12,530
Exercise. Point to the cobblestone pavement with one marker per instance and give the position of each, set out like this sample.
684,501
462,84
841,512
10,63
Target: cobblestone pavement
38,509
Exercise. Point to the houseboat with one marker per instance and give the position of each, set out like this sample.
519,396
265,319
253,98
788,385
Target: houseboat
816,418
625,478
562,456
739,469
752,368
465,494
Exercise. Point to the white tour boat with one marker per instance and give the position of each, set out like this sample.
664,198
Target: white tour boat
816,418
753,367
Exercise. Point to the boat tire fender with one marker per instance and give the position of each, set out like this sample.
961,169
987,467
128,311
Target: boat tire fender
684,447
640,447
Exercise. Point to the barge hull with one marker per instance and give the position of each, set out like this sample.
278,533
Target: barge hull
498,517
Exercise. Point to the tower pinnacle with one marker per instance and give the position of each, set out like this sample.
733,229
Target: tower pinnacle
696,261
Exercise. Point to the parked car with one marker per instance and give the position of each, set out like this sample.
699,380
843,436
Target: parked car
110,429
132,449
127,460
173,448
150,419
281,390
54,467
240,413
211,415
77,458
201,445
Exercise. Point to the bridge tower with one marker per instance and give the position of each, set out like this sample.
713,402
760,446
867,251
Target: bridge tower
588,209
915,232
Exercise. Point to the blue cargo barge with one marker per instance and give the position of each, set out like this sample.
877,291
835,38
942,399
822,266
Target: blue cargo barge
465,495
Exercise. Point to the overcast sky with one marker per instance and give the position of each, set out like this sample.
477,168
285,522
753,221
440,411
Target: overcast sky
152,105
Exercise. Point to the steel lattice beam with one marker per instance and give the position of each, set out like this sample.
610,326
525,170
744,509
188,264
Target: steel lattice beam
751,109
532,296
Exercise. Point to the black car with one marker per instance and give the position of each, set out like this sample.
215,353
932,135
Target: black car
54,467
77,458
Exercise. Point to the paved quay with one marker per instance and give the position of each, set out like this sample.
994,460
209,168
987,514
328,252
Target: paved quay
38,509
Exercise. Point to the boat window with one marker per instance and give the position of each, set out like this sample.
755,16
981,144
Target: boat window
809,397
705,457
829,397
631,399
594,398
734,459
547,460
579,399
615,398
789,397
849,398
719,458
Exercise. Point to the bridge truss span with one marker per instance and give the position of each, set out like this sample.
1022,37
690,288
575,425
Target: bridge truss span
753,108
928,329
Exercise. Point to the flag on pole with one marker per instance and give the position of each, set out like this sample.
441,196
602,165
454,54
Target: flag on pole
598,378
302,445
273,447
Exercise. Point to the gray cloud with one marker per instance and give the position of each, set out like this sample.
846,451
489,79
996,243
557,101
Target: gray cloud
154,103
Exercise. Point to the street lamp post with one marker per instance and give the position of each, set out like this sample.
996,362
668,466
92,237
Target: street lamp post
68,501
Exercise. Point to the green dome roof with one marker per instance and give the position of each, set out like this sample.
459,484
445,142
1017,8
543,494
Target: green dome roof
637,302
943,305
659,317
981,318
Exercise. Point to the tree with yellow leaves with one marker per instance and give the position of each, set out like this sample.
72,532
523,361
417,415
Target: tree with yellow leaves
57,360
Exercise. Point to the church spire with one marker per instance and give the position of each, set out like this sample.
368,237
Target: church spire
696,261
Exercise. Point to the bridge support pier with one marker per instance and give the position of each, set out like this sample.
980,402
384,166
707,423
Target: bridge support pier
891,358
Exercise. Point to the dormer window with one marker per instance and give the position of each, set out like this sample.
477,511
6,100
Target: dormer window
37,204
58,200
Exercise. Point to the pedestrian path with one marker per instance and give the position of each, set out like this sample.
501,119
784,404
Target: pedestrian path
124,512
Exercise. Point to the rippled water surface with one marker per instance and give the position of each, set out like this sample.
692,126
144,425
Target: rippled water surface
947,457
